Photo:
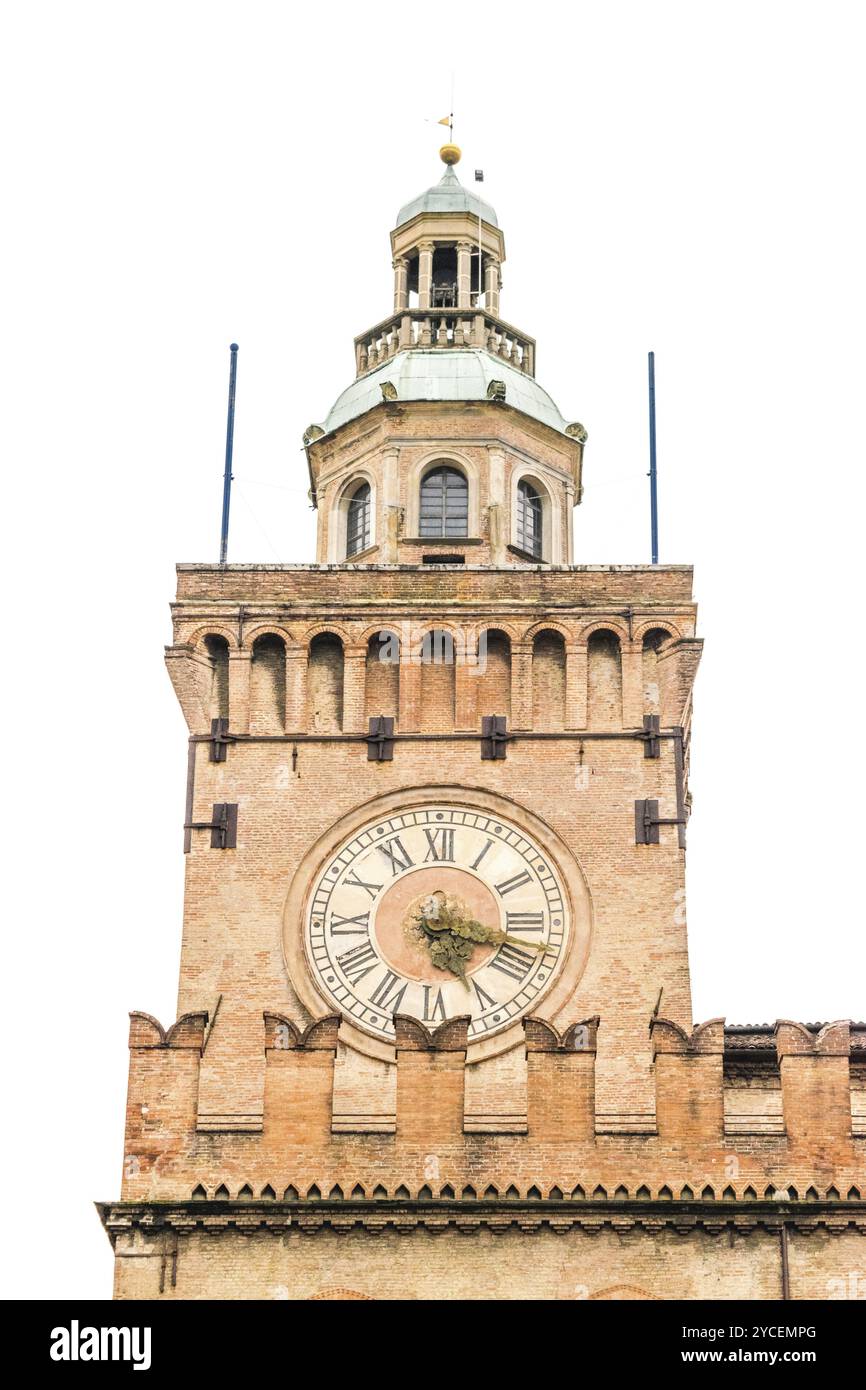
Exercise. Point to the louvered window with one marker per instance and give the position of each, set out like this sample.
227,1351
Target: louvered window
529,520
444,503
358,521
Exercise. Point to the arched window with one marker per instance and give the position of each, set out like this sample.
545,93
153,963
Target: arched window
529,519
444,503
358,521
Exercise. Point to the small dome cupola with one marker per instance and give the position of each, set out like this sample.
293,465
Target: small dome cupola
448,195
447,248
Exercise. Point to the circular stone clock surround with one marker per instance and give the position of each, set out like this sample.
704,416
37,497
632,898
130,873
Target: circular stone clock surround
550,977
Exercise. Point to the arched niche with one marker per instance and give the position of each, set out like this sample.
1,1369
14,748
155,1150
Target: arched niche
548,681
604,680
652,679
216,683
268,684
494,673
438,683
382,675
325,684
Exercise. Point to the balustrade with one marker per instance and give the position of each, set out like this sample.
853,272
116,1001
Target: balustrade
443,328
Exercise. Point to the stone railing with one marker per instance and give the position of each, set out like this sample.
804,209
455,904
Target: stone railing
443,328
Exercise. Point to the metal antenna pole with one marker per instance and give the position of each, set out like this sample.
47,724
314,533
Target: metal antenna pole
653,475
230,439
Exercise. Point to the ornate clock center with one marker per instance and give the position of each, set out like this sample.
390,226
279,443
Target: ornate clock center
402,941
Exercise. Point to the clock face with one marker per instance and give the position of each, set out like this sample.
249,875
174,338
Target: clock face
436,912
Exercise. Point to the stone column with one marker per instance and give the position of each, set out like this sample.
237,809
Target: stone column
632,685
354,682
296,689
575,686
491,286
464,275
425,273
401,283
521,685
239,691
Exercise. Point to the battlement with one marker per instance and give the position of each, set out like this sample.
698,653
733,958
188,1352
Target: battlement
809,1080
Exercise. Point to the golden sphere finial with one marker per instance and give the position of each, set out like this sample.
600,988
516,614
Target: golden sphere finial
450,154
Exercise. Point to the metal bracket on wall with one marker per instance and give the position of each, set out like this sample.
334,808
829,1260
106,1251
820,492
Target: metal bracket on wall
223,828
651,743
380,739
494,736
219,740
647,821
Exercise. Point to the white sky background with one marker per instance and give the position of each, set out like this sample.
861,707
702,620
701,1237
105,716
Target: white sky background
682,177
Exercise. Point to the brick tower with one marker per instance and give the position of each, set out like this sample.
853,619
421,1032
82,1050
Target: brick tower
434,983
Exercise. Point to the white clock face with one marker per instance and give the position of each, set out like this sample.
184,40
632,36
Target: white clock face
436,912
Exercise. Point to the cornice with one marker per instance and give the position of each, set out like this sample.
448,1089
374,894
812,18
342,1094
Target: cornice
311,1217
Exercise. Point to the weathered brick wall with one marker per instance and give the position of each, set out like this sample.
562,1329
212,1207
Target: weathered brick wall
623,1262
203,589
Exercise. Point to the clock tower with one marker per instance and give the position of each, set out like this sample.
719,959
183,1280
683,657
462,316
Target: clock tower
434,982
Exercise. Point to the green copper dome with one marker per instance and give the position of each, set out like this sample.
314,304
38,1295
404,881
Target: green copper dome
444,374
448,195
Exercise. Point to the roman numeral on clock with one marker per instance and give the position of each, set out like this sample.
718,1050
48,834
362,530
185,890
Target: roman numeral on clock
508,885
484,999
433,1010
441,844
397,855
350,926
524,921
358,962
481,855
513,961
380,996
353,881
